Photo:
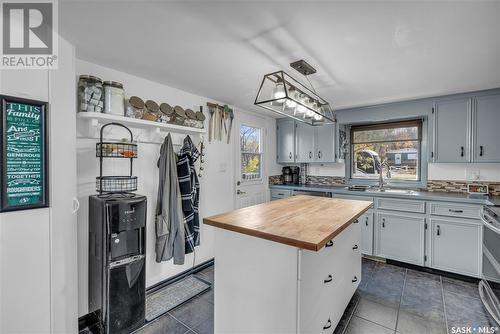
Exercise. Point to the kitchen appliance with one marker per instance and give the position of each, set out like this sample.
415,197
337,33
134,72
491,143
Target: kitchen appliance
117,243
491,261
287,175
117,267
295,174
290,174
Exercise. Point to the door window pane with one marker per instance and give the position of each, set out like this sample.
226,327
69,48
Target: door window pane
251,154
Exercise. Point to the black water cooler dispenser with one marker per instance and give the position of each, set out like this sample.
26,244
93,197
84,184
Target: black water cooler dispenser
117,246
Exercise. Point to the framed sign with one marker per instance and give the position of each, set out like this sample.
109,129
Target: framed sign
23,154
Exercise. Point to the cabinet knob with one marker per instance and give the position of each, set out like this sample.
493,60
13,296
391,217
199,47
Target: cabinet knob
328,324
355,279
329,243
328,279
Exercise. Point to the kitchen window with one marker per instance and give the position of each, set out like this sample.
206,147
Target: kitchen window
398,144
251,153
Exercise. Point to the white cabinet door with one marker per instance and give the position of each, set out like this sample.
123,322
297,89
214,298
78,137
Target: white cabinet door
456,245
285,136
486,135
366,223
325,143
304,135
400,237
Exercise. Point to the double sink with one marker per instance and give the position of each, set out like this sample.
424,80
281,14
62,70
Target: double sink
383,190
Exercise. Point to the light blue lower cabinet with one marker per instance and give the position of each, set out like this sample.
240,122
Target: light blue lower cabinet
400,237
366,222
455,245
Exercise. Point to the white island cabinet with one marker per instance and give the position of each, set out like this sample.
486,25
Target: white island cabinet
288,266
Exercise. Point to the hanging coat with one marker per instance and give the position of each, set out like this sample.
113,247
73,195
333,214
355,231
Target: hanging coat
169,218
190,191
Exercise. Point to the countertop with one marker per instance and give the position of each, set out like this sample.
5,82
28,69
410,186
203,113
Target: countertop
420,195
305,222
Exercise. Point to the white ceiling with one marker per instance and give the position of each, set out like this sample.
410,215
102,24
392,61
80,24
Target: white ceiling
365,52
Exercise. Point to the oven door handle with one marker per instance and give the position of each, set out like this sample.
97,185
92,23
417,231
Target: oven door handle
486,221
490,301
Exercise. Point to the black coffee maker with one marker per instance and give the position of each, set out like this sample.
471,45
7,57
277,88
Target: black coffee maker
290,174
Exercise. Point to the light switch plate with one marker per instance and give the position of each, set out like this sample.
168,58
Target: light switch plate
472,174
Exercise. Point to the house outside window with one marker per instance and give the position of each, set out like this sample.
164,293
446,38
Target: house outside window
251,153
396,145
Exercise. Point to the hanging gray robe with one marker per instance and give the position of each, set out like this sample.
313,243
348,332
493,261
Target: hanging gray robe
169,218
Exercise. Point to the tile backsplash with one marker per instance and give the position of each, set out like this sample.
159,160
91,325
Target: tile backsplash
432,185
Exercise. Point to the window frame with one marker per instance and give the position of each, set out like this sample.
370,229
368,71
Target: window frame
423,158
260,179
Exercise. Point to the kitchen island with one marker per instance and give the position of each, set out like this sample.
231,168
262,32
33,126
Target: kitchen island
288,266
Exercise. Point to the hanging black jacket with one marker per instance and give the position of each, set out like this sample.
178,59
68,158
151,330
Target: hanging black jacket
190,192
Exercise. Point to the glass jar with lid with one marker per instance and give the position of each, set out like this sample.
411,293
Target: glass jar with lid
166,112
178,116
114,98
152,111
90,94
190,118
200,120
135,107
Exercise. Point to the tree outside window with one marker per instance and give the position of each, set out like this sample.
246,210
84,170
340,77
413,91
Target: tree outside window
251,154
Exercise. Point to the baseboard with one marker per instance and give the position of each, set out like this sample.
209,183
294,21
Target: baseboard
434,271
91,319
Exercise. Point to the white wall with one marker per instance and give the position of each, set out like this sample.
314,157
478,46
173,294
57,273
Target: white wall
217,183
38,282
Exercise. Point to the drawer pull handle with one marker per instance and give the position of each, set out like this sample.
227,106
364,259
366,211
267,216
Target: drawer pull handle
319,154
383,222
329,279
355,279
329,243
281,194
438,230
366,221
356,221
290,155
328,324
461,151
481,151
355,247
456,211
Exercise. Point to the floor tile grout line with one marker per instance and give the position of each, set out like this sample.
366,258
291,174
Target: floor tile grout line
444,304
400,300
373,322
182,323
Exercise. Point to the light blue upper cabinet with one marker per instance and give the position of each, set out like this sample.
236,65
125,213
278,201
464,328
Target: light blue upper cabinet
285,136
452,130
486,123
305,135
325,143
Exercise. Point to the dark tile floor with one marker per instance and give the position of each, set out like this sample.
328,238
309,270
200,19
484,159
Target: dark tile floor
390,299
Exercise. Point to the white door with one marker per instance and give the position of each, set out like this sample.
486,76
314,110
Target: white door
251,172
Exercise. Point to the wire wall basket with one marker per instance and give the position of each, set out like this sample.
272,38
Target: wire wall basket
112,184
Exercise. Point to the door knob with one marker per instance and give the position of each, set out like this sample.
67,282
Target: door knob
239,192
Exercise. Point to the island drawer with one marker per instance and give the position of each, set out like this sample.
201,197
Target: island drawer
455,210
400,205
280,193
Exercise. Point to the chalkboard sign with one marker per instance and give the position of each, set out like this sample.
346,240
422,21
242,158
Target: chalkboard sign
24,152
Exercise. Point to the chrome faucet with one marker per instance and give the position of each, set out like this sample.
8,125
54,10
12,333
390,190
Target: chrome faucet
381,181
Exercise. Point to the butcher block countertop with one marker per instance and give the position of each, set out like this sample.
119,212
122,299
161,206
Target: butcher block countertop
305,222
